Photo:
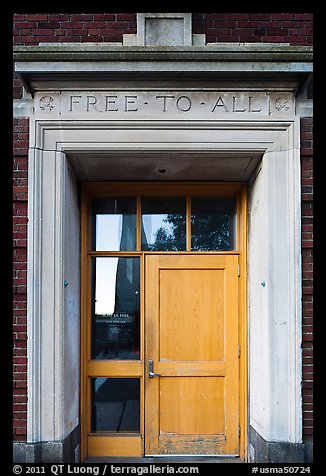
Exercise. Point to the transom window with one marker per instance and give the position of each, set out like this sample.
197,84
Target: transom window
161,223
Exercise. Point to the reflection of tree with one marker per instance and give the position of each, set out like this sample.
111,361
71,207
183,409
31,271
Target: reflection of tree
209,233
171,237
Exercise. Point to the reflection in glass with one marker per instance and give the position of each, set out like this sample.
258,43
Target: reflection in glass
163,224
114,224
115,404
115,308
213,224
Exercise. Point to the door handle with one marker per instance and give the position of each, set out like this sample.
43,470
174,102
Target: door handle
151,370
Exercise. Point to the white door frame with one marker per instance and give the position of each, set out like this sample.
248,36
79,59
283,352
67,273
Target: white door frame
274,263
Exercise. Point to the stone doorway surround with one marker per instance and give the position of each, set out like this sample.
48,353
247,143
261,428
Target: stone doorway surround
87,107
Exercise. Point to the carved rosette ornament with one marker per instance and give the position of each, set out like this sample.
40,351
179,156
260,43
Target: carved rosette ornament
46,103
282,104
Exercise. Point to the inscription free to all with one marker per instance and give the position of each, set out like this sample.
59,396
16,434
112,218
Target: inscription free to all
150,103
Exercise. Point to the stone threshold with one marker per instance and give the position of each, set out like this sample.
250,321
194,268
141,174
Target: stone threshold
163,460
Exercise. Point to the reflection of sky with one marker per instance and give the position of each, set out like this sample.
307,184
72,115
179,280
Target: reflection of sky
108,235
152,223
108,232
106,273
99,381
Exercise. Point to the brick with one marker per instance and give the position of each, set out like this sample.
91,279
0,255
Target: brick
19,392
69,25
214,16
104,16
307,431
58,17
20,431
276,31
20,368
93,31
19,407
278,16
20,360
18,17
303,16
37,17
275,39
48,25
248,24
95,39
77,32
82,17
20,209
224,24
238,16
25,24
307,180
260,16
126,16
45,32
46,39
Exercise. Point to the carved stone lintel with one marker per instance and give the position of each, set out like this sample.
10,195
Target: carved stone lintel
164,104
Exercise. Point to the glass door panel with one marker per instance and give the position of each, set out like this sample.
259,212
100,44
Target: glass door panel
115,405
115,308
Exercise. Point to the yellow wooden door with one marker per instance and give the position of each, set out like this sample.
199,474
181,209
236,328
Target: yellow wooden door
191,318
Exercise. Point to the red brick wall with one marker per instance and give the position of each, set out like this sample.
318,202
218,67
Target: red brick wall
307,270
30,29
294,28
20,136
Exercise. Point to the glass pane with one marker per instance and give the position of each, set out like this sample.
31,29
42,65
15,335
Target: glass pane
163,224
115,404
114,224
213,224
115,308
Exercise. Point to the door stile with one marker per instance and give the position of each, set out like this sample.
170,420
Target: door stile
151,352
84,306
232,360
243,321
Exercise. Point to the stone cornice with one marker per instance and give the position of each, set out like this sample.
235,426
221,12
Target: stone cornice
211,52
80,63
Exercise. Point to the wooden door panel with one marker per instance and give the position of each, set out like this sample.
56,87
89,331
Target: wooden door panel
180,411
192,337
191,314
